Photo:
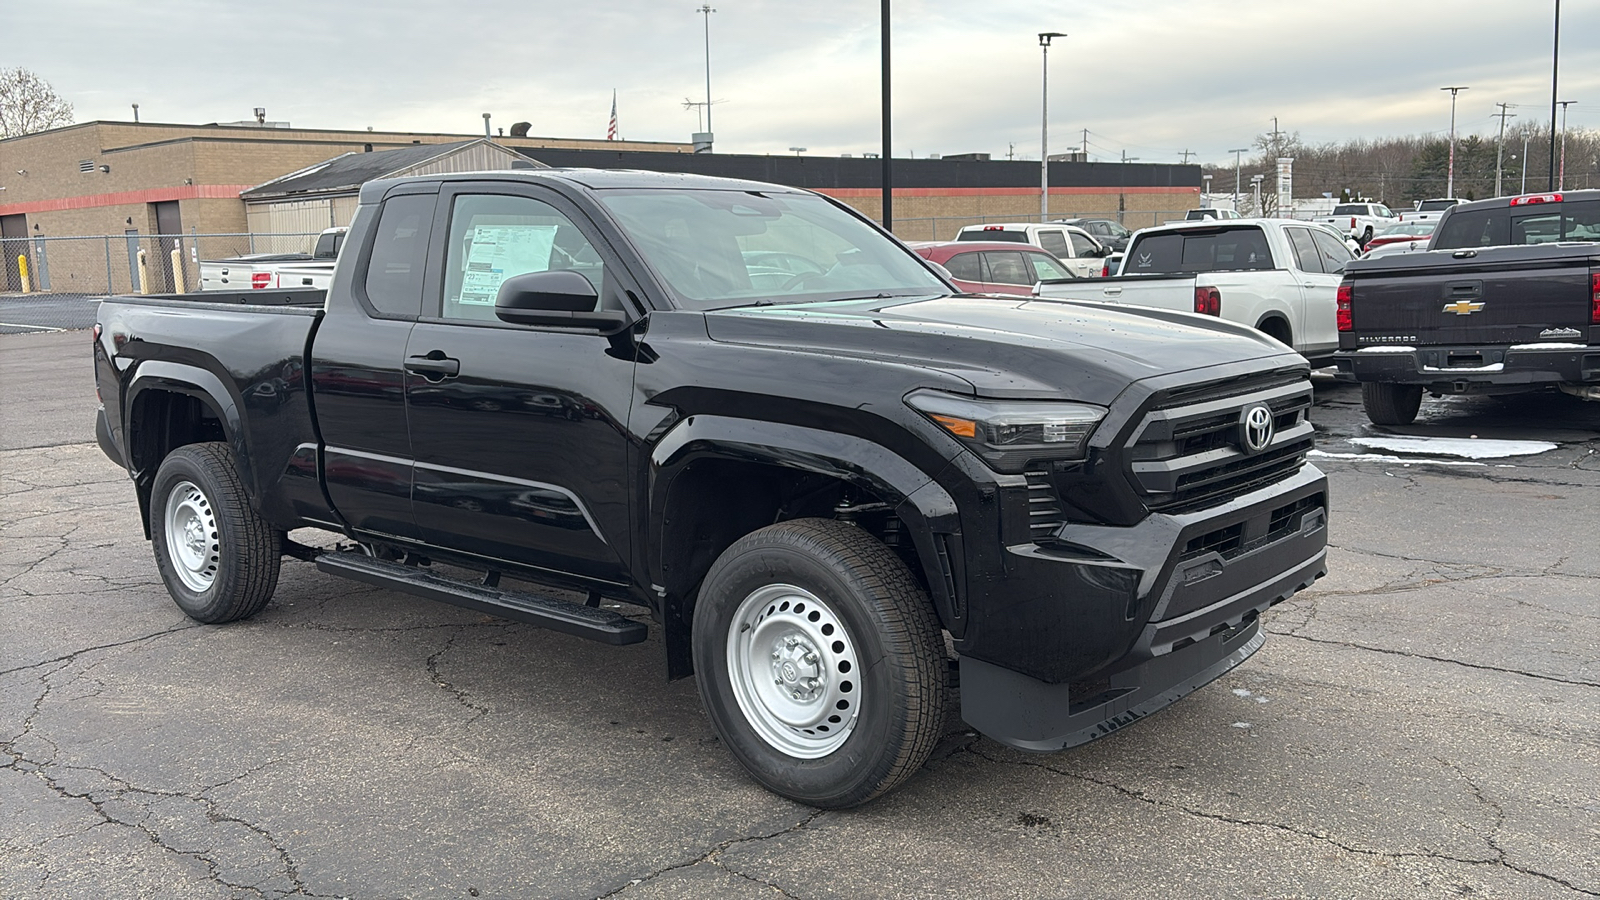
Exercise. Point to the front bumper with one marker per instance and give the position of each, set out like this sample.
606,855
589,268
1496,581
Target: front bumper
1473,368
1107,625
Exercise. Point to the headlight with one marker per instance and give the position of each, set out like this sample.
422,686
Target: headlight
1007,434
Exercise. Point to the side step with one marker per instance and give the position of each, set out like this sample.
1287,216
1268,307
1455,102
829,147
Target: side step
603,625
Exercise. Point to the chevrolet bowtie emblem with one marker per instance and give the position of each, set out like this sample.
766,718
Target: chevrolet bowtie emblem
1463,307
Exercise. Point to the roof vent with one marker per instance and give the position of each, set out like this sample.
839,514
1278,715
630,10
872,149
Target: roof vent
520,129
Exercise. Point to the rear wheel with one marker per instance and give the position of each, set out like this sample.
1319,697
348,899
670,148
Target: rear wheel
218,558
820,662
1391,404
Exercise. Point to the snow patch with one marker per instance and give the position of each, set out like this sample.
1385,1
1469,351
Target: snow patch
1468,448
1386,458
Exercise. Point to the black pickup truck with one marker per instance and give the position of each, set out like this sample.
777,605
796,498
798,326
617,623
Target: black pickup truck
753,414
1506,299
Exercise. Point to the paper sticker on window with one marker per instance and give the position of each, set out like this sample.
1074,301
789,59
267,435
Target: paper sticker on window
500,252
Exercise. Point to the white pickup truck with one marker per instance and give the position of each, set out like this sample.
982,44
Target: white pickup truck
1076,248
259,271
1359,220
1278,275
1428,210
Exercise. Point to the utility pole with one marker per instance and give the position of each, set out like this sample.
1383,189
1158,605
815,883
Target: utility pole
1186,155
1044,130
706,10
1277,139
1524,163
1128,159
1499,145
1450,185
888,165
1236,171
1086,145
1561,181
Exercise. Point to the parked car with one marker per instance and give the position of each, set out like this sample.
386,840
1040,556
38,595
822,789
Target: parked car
1076,248
1109,232
259,271
991,267
1428,210
1277,275
1407,237
1359,220
1210,212
810,488
1506,299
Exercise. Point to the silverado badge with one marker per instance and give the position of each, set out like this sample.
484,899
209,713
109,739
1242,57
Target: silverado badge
1462,307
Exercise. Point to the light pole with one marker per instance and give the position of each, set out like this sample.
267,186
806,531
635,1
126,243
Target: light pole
1500,145
1236,170
1044,128
1255,191
797,150
1561,181
1450,186
707,10
1555,70
888,158
1524,163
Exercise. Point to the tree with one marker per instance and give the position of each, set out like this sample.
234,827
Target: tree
29,104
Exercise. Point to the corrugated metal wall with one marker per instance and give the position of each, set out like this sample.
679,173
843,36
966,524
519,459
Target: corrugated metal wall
479,157
300,216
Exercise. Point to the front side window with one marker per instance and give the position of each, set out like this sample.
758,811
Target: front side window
1305,250
1007,267
1081,245
717,248
494,237
1334,252
1046,268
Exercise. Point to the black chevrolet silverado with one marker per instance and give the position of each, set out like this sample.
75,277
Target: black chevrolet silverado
1506,299
750,412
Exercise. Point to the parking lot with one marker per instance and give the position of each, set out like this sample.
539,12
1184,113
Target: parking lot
1421,723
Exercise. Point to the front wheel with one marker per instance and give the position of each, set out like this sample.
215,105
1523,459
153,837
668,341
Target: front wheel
218,558
820,662
1391,404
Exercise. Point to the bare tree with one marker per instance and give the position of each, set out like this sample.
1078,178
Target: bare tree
29,104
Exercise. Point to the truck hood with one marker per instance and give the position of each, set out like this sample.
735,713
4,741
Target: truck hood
1004,346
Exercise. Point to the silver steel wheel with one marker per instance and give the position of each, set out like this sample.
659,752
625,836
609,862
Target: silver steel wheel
793,667
193,544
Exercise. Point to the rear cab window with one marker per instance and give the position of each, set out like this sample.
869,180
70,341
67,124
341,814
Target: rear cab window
1191,251
1540,223
393,283
998,234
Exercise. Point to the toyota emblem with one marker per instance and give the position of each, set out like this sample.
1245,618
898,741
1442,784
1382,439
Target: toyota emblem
1256,428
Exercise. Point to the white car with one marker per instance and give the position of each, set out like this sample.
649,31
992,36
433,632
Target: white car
1428,210
1076,248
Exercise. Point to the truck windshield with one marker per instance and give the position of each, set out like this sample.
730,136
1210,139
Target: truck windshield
718,249
1192,251
1540,223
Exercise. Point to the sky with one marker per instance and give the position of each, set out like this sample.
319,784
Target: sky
1149,79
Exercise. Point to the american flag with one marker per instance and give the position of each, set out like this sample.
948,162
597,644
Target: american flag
611,130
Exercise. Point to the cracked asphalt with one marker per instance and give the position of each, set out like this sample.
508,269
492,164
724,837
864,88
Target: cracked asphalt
1422,723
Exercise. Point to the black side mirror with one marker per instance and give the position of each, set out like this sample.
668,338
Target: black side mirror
558,299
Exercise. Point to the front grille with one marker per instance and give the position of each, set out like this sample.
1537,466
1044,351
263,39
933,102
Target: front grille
1185,455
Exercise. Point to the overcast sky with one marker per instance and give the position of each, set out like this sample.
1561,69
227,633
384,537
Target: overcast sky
1151,78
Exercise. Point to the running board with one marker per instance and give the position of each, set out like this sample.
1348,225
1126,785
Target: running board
603,625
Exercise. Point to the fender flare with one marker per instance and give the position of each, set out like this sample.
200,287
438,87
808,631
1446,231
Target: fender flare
927,510
191,381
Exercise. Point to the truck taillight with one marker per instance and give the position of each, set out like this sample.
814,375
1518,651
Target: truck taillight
259,280
1105,269
1535,198
1208,301
1594,299
1343,307
1352,223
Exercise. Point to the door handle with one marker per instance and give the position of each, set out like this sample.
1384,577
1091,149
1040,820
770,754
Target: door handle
434,366
1113,291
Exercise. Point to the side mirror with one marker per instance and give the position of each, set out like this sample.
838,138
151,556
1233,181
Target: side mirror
557,299
943,272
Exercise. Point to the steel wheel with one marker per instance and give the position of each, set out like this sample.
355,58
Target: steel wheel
790,661
193,542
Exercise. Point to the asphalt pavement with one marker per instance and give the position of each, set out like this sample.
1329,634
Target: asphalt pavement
1421,723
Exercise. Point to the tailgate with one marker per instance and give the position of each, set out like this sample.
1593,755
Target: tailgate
1160,291
1443,300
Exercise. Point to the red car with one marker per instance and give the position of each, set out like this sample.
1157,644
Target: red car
991,267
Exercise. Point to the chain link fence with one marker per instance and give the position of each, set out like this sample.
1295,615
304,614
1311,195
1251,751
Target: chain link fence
96,265
944,228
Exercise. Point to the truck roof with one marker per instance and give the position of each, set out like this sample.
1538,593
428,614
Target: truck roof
1527,200
591,179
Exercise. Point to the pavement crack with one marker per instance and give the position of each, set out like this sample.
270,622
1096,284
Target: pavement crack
712,855
478,710
69,657
1440,659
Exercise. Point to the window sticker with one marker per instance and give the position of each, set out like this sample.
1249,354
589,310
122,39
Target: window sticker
500,252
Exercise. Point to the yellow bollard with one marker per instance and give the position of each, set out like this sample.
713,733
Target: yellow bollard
144,273
177,271
22,266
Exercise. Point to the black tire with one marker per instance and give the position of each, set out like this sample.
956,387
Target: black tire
1391,404
1366,237
1278,330
228,568
891,709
